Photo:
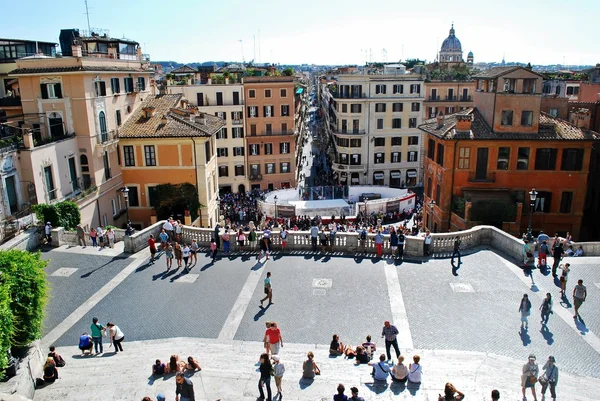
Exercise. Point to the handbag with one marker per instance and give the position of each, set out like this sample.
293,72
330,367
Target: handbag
543,381
532,379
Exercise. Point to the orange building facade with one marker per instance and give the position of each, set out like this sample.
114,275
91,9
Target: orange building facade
270,132
491,156
165,143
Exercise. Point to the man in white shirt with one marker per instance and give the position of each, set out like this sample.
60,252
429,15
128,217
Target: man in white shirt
100,236
168,227
48,232
314,233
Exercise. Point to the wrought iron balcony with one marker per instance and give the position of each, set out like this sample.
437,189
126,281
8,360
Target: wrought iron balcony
255,177
107,138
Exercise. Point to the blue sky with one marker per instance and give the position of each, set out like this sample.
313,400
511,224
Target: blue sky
326,31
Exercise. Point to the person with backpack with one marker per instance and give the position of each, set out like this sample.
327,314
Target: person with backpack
381,370
543,252
98,331
59,361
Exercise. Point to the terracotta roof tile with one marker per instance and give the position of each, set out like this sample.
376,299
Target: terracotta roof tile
178,121
51,70
185,69
550,128
499,71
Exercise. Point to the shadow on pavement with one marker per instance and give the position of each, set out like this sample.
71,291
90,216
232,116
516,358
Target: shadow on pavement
86,275
547,334
397,387
378,386
304,383
261,312
525,338
413,388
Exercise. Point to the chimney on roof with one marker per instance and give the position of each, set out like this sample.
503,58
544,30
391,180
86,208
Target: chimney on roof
202,118
163,119
463,123
440,120
148,111
76,50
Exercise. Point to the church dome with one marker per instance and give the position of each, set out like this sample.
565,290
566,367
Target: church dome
451,43
470,54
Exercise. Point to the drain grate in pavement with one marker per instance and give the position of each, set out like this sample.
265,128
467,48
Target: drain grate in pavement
322,282
319,291
64,271
187,278
462,287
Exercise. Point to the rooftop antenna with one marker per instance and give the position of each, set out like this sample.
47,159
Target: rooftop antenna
259,60
87,13
254,54
384,55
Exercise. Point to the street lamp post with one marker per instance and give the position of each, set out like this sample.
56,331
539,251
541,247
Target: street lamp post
125,192
275,199
532,197
431,205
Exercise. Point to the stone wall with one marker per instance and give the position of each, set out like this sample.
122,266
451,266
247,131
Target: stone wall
28,240
60,237
30,368
139,240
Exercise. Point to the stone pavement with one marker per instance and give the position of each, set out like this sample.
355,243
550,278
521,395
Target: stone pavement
229,372
465,326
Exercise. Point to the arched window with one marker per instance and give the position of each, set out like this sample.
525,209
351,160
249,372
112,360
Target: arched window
102,121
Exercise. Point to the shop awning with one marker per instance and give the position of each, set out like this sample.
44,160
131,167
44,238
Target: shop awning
395,174
411,173
378,176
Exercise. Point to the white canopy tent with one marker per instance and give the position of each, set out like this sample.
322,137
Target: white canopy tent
333,207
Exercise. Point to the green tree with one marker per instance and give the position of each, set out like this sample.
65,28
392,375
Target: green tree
411,62
62,214
24,278
174,200
288,72
6,325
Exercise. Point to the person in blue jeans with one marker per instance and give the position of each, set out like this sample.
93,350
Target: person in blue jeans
457,242
265,377
97,333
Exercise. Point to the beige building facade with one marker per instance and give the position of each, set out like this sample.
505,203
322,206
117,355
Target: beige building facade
73,108
225,101
373,119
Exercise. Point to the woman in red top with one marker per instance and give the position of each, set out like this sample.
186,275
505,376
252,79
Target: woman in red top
152,245
273,337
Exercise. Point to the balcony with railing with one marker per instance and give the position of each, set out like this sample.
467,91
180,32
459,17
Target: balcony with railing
433,99
237,122
348,167
482,177
107,138
10,101
348,95
277,133
33,140
349,131
255,177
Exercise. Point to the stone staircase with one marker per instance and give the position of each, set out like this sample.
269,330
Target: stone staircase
229,372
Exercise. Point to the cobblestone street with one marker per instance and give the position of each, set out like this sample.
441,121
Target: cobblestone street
317,295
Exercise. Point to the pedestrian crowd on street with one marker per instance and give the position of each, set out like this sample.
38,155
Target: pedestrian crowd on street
241,207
